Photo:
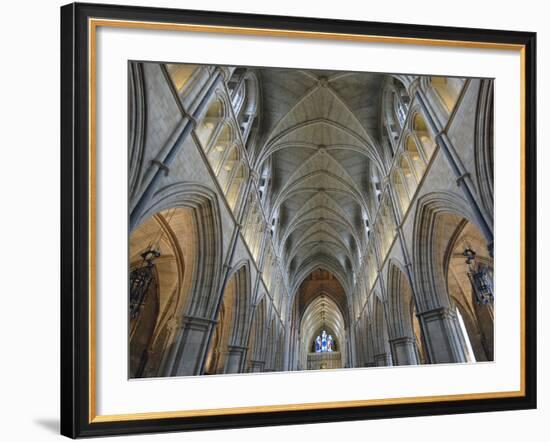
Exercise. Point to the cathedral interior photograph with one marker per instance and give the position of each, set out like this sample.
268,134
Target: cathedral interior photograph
295,219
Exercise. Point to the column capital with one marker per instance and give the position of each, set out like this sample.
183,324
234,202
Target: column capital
190,322
174,323
236,348
197,322
403,340
438,312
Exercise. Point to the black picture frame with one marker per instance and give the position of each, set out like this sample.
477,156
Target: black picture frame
75,219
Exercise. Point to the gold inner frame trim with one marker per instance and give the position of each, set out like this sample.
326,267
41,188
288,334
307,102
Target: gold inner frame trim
93,24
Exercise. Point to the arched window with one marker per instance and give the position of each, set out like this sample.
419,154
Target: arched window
399,109
246,114
401,101
385,227
423,135
180,74
395,106
371,264
274,227
416,158
324,343
258,237
367,226
268,267
448,89
376,187
408,175
400,191
234,190
254,229
386,144
207,126
225,172
218,149
235,81
238,99
264,183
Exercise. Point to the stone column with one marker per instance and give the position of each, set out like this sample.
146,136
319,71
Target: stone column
234,359
352,349
442,335
286,348
404,351
191,346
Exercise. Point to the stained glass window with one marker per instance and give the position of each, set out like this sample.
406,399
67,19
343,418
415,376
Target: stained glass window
324,343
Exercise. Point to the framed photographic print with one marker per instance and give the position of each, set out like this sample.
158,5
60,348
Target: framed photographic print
279,220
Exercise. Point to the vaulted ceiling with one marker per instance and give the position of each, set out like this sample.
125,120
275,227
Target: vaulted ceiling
319,133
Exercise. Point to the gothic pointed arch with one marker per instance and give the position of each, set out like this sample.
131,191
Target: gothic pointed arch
467,263
400,297
137,111
484,147
380,334
435,213
404,329
161,259
257,337
243,305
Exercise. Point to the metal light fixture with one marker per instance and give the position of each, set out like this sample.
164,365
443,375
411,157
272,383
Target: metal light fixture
479,278
140,281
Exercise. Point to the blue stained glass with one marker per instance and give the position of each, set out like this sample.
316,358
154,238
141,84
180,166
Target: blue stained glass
324,343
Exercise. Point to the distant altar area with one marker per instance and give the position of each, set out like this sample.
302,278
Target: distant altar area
325,360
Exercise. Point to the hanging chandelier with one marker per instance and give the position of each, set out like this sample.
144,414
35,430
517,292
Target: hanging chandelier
480,279
140,281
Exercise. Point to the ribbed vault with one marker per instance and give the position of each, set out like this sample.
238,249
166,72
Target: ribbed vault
322,314
318,136
321,304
